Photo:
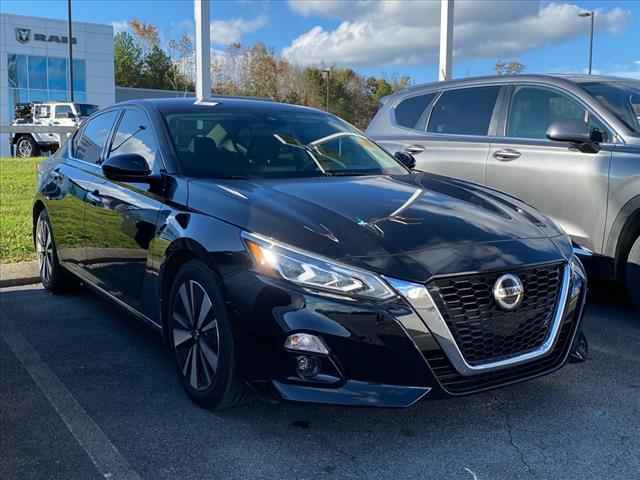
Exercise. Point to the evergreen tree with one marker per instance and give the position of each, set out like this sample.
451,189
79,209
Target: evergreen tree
128,60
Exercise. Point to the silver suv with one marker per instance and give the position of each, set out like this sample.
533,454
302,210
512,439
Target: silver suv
568,145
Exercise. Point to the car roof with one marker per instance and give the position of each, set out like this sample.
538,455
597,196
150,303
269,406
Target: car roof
191,104
553,79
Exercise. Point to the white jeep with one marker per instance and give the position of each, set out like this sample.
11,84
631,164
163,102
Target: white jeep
62,114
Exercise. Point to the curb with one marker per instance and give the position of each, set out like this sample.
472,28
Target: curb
17,274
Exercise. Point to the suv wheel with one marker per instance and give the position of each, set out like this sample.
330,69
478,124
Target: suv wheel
52,275
26,147
201,338
632,273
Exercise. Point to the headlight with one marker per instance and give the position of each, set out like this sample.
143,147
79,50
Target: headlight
578,277
308,270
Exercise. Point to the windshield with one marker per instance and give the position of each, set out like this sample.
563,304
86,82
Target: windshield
622,98
274,145
86,109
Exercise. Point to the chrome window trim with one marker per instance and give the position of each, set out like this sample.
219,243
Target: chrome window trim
422,303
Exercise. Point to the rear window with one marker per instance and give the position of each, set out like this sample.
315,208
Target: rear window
411,112
467,111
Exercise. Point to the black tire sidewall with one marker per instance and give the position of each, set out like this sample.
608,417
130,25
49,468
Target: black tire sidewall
217,394
632,273
34,147
55,281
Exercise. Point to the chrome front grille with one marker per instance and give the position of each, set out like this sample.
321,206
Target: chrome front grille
485,333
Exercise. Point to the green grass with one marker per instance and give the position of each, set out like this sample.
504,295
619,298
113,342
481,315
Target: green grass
84,227
17,188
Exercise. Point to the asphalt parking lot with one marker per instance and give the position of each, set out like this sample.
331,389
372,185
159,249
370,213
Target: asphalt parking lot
88,392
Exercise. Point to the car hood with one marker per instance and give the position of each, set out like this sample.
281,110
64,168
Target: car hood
414,225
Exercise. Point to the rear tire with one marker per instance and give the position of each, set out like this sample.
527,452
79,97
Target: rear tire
632,274
26,147
201,339
52,275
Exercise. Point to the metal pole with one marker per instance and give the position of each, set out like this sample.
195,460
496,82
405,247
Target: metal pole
328,76
446,40
593,14
70,43
203,49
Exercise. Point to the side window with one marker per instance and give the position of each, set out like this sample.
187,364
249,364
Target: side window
135,135
94,135
534,109
42,111
410,113
466,111
63,111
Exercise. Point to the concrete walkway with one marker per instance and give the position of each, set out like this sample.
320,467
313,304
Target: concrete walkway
23,273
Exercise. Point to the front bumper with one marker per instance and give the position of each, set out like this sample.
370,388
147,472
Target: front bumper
379,354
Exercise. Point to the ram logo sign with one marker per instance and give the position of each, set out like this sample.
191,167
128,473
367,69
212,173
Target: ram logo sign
23,35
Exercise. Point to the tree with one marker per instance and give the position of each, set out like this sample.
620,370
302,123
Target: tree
184,55
140,61
128,60
159,71
146,32
509,68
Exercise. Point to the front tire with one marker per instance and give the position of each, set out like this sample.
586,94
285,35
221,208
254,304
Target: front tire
632,273
26,147
52,275
201,338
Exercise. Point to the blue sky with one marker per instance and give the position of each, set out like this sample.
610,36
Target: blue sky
393,38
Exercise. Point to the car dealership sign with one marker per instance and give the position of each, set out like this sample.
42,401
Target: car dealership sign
23,35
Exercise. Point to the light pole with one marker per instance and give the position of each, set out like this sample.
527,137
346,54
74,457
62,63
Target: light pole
70,43
327,72
591,14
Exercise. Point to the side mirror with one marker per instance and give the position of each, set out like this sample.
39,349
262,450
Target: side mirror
71,115
406,159
128,167
575,132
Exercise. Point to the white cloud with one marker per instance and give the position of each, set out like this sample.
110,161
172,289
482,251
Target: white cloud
632,71
121,26
225,32
379,32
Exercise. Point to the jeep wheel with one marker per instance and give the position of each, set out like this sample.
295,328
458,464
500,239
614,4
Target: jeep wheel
632,273
26,147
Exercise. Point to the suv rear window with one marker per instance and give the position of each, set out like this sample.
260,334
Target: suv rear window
466,111
410,112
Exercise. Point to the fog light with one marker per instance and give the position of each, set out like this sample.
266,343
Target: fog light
307,367
305,342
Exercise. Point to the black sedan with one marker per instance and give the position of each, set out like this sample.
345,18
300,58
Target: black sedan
277,247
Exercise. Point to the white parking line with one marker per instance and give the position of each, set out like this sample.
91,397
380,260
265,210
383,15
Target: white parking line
104,455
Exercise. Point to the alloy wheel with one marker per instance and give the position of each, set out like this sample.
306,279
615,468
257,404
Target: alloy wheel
25,149
44,249
195,335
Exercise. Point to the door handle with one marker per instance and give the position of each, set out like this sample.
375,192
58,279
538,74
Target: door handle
414,149
506,155
94,198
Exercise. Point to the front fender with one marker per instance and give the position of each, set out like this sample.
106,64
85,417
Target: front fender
187,235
